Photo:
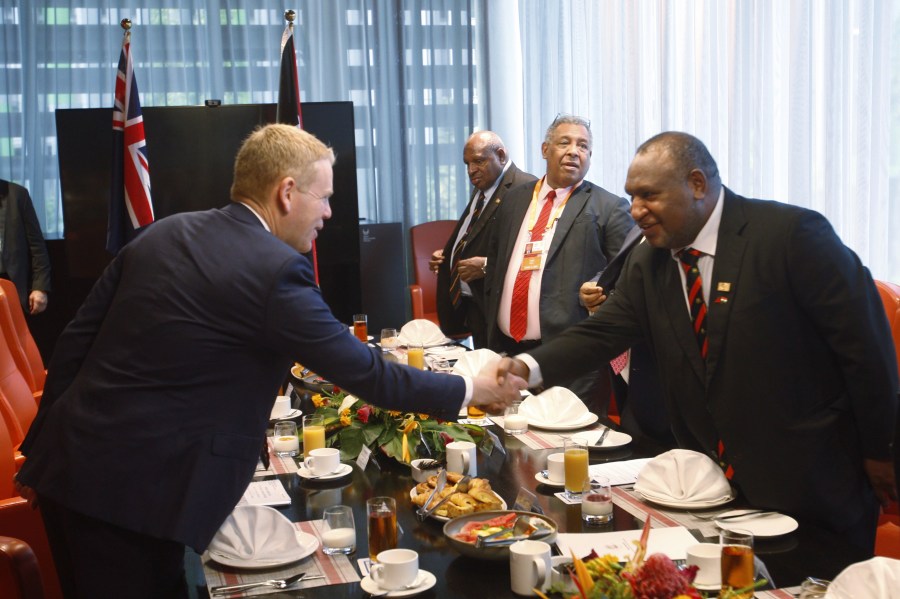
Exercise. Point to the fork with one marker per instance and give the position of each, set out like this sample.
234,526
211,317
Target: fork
718,516
278,584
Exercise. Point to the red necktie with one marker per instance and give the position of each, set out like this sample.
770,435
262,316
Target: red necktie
455,289
518,312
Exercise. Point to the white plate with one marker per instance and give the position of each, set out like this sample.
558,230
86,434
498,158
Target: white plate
304,472
773,525
288,416
308,545
413,494
546,481
613,439
709,587
687,505
426,580
448,352
586,420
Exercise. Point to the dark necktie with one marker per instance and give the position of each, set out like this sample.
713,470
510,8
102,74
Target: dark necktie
518,312
694,286
455,288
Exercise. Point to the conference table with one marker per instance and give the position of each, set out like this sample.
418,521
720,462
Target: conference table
789,559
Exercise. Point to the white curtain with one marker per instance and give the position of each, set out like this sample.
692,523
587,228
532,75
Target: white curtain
793,98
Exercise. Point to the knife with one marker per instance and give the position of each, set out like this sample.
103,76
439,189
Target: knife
603,436
757,513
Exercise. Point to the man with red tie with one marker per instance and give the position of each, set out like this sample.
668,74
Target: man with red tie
553,236
771,341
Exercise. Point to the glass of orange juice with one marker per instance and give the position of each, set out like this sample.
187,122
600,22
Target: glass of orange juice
415,355
576,466
313,433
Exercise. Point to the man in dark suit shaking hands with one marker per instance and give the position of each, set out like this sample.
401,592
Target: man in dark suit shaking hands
159,391
771,340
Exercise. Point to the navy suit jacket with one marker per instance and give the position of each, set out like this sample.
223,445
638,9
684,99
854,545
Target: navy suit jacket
25,256
800,381
159,391
470,313
589,233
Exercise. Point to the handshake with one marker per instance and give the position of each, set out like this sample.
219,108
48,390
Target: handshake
498,385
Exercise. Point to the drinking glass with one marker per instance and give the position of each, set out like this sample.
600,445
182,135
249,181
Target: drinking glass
389,340
737,561
514,423
339,531
576,463
361,327
596,501
381,515
313,433
415,355
284,439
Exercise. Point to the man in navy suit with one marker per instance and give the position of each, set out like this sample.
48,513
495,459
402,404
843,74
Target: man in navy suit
778,362
160,389
23,259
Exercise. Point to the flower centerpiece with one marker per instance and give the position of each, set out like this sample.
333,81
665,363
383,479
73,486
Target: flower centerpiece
641,577
351,423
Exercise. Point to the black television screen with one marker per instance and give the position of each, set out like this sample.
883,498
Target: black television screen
191,155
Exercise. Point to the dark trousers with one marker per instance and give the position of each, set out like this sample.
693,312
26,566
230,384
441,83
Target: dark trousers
97,560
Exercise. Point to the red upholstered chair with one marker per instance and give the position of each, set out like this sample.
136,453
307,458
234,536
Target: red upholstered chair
425,239
19,521
887,538
17,405
20,576
25,350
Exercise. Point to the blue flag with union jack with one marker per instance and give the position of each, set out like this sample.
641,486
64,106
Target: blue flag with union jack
130,205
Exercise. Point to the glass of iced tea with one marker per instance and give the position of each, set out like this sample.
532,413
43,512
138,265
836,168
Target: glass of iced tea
737,561
381,519
361,327
576,466
313,433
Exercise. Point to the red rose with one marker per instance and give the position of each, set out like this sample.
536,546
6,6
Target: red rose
446,438
363,413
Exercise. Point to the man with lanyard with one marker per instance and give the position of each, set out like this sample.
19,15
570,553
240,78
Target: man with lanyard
550,238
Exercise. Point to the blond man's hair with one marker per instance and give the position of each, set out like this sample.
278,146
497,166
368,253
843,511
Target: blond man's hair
273,152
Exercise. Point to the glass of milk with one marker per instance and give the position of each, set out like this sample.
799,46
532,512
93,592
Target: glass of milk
514,423
338,530
285,441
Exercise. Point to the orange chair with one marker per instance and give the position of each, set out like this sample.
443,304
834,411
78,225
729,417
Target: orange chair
19,521
887,537
20,576
27,355
17,405
425,239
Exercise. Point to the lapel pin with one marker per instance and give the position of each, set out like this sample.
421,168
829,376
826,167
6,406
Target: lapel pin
720,300
723,287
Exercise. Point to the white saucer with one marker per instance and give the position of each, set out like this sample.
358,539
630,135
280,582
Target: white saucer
773,525
307,542
427,579
586,420
304,472
546,481
288,416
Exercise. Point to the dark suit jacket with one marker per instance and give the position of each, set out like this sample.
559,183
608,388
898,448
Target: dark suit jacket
800,381
159,391
24,251
469,315
589,233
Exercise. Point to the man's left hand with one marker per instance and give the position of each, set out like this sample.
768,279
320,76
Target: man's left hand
37,302
471,269
881,475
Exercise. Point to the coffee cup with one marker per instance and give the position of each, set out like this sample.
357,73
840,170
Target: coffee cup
396,569
281,407
323,461
556,467
461,457
529,567
708,558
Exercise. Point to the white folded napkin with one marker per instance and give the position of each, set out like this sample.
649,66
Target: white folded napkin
421,331
257,533
471,363
683,475
877,577
556,406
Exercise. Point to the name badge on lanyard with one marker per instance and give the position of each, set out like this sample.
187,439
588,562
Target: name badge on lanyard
531,260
